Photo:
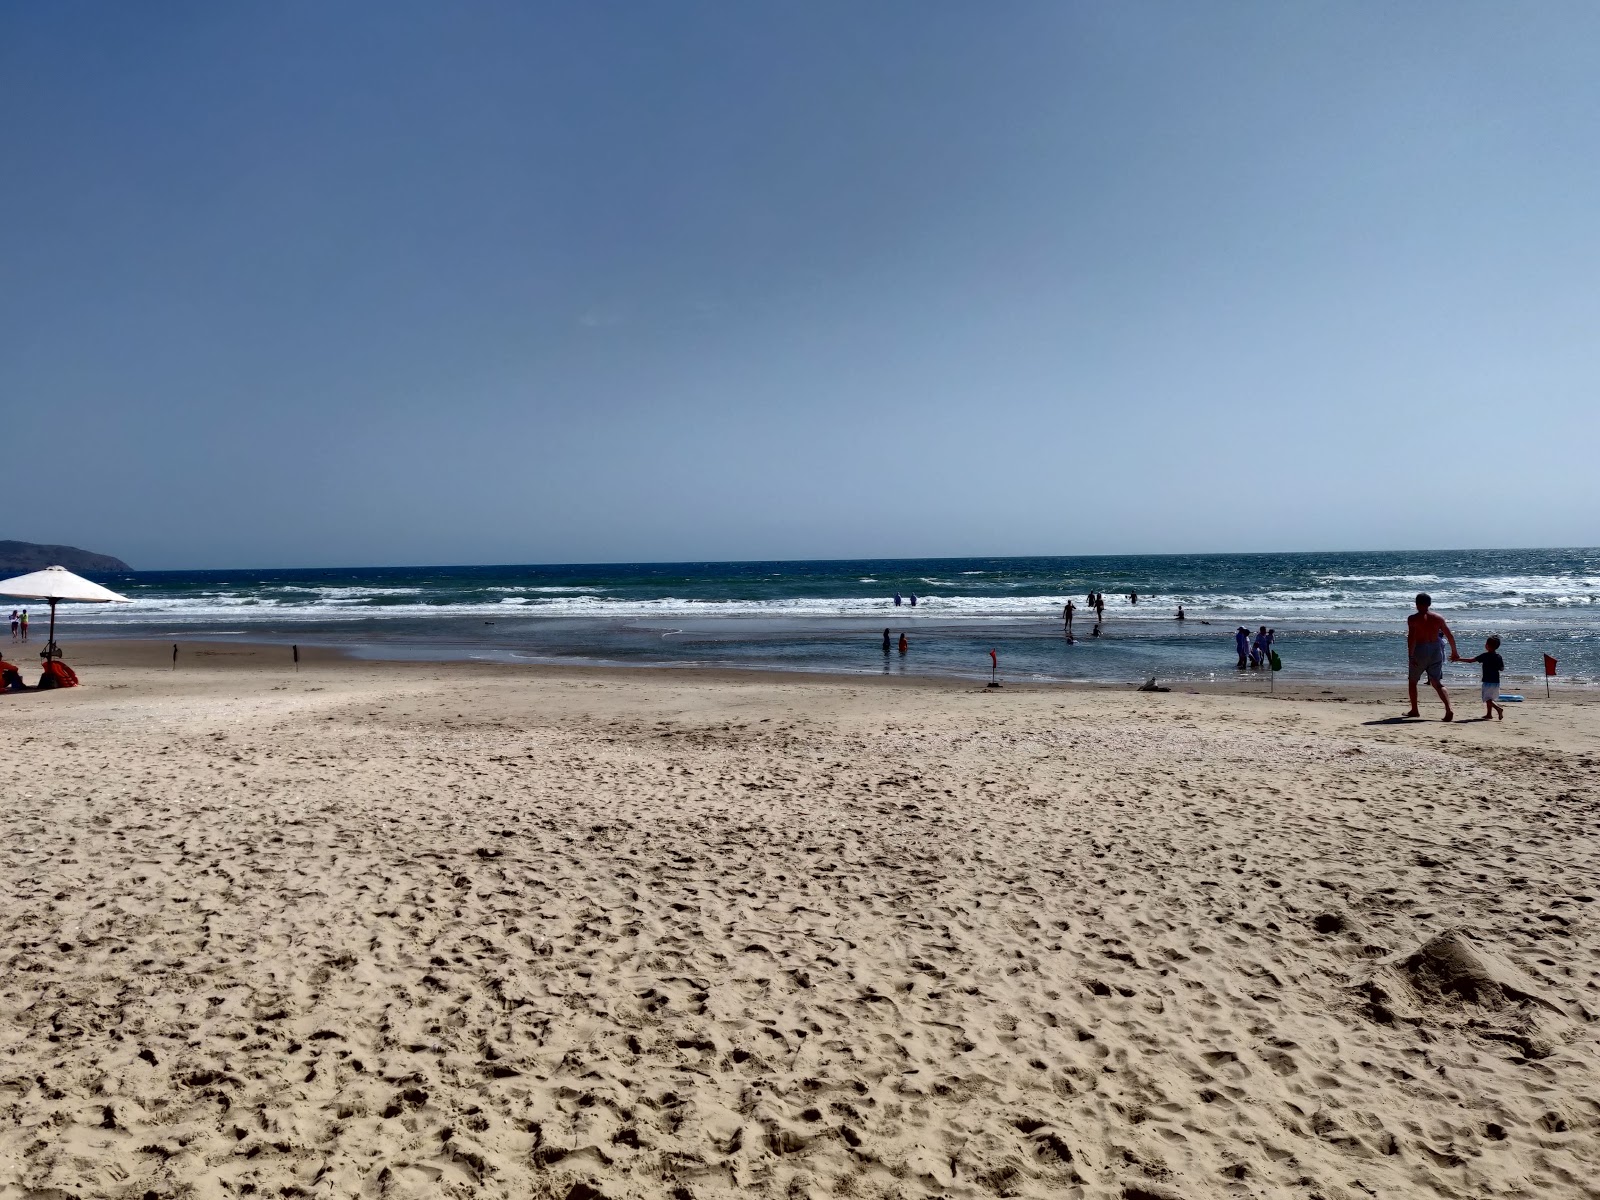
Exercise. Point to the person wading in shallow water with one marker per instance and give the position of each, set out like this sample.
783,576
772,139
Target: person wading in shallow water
904,645
1426,634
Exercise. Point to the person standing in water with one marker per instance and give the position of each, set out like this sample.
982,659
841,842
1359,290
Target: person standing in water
1180,615
904,645
1067,610
1241,643
913,599
1426,634
897,599
1099,607
1258,650
24,624
886,641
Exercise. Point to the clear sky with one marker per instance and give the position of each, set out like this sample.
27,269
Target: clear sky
310,284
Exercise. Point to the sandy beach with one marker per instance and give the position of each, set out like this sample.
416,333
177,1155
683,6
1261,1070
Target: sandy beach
416,930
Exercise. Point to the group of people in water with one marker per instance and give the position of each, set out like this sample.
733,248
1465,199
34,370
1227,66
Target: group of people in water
1095,602
1257,653
1427,636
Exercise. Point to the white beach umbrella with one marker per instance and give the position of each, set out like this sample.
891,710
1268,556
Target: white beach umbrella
56,584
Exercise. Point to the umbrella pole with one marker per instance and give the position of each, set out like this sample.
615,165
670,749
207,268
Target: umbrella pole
50,646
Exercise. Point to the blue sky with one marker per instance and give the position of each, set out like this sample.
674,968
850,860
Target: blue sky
306,284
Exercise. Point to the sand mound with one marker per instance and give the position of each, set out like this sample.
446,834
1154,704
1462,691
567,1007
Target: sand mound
1451,965
1451,985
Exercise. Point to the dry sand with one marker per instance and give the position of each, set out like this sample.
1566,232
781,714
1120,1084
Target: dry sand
390,930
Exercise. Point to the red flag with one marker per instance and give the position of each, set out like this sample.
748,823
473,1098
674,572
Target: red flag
994,660
1549,665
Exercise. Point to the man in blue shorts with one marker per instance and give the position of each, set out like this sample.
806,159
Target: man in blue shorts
1426,633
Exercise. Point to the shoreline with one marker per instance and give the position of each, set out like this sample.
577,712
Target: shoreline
212,654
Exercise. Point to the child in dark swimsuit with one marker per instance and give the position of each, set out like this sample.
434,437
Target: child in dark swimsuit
1492,665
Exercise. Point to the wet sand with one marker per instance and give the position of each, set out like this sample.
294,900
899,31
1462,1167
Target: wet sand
458,930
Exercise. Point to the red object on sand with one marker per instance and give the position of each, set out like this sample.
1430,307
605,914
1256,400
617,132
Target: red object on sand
1549,665
57,675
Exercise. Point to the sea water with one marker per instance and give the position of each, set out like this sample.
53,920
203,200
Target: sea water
1338,616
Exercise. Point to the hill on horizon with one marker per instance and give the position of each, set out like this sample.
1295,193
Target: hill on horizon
17,558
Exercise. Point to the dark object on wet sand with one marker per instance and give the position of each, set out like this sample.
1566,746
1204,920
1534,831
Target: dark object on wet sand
1150,685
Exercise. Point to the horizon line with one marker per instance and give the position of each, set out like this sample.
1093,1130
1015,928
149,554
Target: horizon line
679,562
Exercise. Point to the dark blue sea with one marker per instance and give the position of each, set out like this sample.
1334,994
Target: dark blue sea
1336,616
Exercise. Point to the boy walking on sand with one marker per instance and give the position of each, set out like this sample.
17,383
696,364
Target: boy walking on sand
1492,665
1425,652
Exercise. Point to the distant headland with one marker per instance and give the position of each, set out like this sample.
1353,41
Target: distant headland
18,557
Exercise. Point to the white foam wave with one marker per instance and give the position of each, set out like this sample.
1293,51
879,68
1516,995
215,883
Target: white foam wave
1359,599
550,591
347,593
1378,578
198,611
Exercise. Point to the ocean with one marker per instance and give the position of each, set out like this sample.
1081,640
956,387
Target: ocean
1337,616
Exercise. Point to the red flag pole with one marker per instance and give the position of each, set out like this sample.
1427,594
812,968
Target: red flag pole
1549,670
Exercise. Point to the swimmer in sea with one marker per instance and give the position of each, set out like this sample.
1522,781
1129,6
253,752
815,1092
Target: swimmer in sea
904,645
886,641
